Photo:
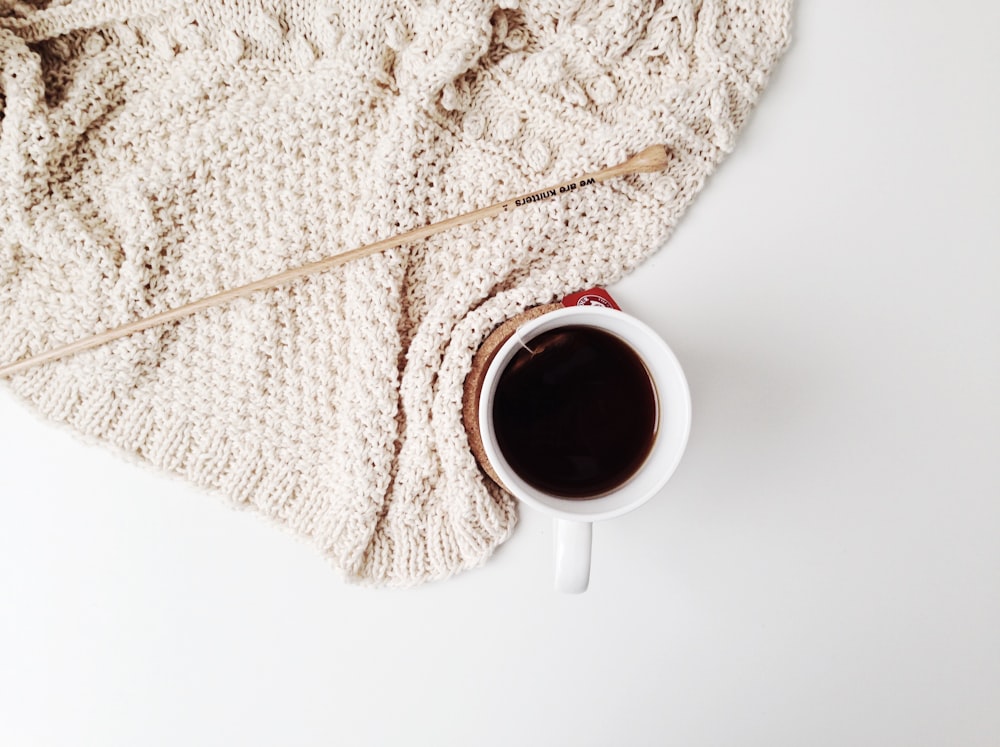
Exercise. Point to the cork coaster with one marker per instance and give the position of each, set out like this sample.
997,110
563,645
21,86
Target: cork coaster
474,381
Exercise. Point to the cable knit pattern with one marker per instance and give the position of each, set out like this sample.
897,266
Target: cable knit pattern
153,152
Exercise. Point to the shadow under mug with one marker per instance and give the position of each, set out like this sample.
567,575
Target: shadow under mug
574,518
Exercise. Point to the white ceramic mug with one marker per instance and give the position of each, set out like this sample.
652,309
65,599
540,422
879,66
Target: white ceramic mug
574,518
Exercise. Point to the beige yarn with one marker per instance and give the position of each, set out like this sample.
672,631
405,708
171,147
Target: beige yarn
152,153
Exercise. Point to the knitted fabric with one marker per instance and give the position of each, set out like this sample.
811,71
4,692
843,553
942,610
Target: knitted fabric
154,152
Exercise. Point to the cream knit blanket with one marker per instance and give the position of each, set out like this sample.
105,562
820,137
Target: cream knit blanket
153,152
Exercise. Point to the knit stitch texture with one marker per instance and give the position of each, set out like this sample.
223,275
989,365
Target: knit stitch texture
153,152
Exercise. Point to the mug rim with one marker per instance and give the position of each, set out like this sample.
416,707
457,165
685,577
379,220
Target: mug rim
673,395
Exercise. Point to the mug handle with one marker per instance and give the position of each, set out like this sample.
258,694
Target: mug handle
572,544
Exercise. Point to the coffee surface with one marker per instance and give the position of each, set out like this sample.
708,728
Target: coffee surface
575,413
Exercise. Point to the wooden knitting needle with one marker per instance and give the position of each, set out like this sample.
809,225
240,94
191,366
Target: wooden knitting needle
651,159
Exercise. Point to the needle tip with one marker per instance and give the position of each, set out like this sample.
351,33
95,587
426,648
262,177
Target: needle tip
653,158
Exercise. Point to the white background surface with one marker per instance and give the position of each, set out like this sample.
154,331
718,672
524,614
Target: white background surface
824,568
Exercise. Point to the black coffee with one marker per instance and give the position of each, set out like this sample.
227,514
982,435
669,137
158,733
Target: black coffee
576,416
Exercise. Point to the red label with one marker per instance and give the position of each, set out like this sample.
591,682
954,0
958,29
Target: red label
591,297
